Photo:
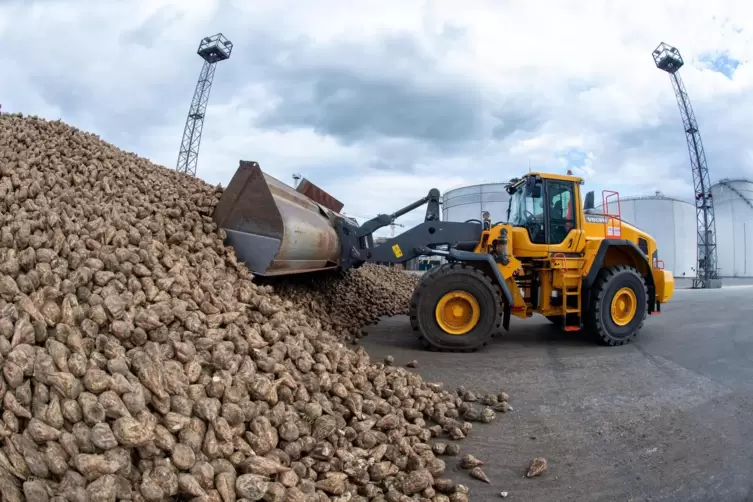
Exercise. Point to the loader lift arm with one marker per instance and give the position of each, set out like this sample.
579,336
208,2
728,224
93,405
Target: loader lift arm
461,238
358,242
382,220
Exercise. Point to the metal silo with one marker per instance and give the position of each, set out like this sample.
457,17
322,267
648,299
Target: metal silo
672,222
468,203
733,208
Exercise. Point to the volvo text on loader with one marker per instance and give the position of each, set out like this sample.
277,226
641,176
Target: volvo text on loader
555,256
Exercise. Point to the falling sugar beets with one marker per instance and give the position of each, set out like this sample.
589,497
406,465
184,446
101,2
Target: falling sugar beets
141,361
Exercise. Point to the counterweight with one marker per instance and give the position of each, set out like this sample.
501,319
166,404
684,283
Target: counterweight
212,50
668,59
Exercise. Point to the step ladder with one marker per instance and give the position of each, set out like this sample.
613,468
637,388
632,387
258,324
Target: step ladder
571,287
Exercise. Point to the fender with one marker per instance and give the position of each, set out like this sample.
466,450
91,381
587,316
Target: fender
601,254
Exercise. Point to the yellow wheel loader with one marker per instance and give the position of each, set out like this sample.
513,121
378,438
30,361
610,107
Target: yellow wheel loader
555,256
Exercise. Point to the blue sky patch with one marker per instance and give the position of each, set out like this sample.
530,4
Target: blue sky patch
720,63
575,158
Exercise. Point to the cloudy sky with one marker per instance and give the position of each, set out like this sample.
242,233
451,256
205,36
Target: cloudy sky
379,101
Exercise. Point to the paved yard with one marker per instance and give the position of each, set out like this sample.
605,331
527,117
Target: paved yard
669,417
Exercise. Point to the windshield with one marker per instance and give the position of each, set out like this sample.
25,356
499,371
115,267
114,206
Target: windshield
525,205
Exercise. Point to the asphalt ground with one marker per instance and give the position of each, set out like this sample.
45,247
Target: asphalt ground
668,417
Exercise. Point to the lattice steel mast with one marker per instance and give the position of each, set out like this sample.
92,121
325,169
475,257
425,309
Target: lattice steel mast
212,50
668,58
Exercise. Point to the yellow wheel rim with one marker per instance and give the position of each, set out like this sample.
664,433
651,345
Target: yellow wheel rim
624,306
457,312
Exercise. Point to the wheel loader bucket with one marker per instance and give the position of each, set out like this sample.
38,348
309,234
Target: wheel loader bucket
274,229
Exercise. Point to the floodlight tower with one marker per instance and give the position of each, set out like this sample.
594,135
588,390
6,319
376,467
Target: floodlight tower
668,59
212,50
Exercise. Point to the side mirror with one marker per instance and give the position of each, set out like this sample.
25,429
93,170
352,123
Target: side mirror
530,183
589,202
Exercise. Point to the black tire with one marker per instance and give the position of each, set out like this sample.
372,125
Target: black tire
425,277
433,286
599,319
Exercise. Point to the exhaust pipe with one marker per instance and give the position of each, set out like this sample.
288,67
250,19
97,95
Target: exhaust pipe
274,229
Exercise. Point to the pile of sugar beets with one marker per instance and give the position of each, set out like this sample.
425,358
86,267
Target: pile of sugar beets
141,362
346,302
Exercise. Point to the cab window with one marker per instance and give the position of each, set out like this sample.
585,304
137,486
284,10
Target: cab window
527,210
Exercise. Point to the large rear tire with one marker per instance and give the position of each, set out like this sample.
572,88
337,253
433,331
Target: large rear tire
618,305
455,307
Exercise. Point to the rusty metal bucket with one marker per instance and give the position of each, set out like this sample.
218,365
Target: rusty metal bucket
273,228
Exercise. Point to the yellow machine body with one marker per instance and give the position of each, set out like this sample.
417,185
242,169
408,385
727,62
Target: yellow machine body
561,266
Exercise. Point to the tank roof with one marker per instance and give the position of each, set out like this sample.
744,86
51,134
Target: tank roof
654,197
732,180
474,185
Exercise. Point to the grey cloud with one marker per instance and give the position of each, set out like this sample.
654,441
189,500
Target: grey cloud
333,99
383,165
400,159
666,141
105,84
517,115
388,96
665,136
63,93
388,90
354,108
391,89
452,36
147,34
726,136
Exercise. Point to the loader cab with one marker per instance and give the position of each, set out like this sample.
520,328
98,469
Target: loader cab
544,206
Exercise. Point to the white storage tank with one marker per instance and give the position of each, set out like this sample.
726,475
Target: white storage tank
733,209
468,203
671,222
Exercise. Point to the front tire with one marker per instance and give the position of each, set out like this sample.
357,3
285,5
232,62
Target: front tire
618,305
455,308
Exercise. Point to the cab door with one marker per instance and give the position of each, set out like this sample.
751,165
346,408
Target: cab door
563,233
